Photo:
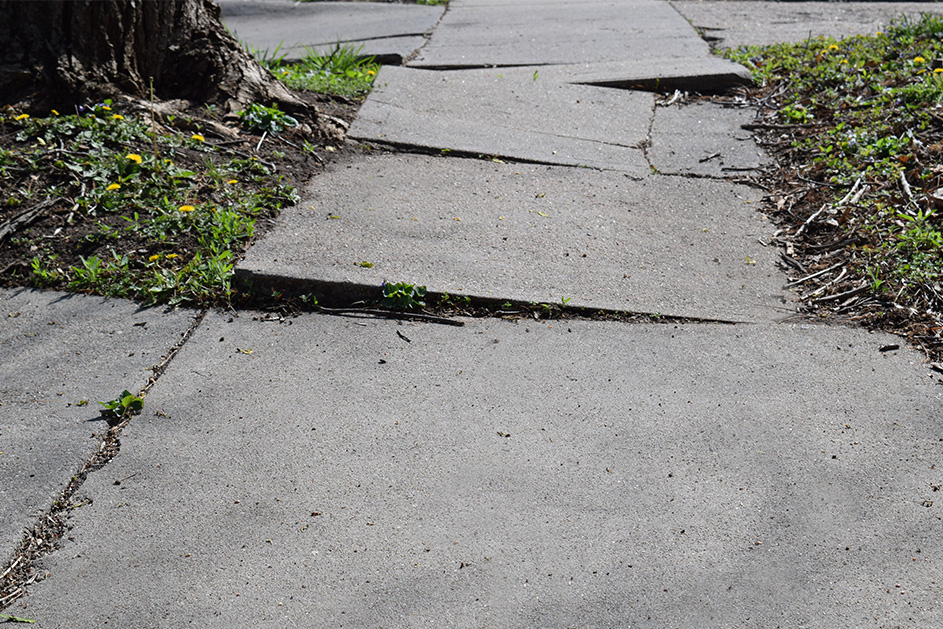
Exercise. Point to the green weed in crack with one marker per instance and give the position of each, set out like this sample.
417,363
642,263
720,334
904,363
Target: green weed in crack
403,296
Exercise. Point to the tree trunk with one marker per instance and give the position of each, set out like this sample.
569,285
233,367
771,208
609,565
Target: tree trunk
59,53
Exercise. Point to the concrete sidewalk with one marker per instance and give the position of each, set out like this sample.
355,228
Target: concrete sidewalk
341,471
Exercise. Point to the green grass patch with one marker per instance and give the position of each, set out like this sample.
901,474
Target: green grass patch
341,72
120,209
861,114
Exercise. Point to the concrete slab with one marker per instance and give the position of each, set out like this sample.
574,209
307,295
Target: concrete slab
704,139
389,31
511,115
694,74
515,475
58,350
484,33
671,245
733,24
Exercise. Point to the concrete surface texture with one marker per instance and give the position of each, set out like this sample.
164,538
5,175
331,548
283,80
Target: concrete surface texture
673,246
390,31
733,24
354,472
704,139
512,115
516,475
61,355
483,33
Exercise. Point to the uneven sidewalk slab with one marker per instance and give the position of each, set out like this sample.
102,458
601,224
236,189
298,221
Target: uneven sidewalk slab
483,33
704,138
58,350
515,475
668,245
733,24
388,31
512,115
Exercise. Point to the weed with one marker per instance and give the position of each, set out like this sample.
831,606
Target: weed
122,407
258,117
403,296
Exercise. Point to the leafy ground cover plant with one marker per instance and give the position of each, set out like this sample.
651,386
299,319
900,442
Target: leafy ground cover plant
403,296
106,202
856,126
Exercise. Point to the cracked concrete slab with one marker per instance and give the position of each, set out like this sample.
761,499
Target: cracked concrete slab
508,114
483,33
733,24
389,31
515,474
58,350
706,139
669,245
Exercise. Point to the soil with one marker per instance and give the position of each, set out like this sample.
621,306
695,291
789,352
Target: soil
63,231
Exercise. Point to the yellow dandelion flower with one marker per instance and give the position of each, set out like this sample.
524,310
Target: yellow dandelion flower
919,60
186,208
106,107
833,47
878,33
54,112
198,137
231,181
843,61
371,73
114,186
117,117
22,117
156,256
171,256
938,71
134,157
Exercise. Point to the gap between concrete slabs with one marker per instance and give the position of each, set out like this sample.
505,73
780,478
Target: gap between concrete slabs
62,354
515,474
669,245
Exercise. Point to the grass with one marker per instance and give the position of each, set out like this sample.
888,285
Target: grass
341,72
857,127
129,211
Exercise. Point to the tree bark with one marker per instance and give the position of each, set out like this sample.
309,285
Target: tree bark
59,53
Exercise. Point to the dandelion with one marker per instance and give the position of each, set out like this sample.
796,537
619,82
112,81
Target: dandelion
878,33
833,47
54,112
114,186
197,137
154,257
117,117
919,60
22,117
134,157
232,181
171,256
371,73
938,71
186,208
106,107
843,61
